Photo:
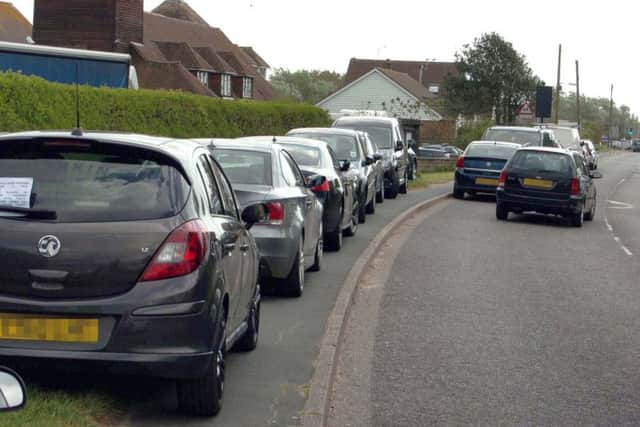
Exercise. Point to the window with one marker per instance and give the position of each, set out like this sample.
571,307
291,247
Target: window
435,89
299,178
247,87
287,171
229,201
381,135
215,202
542,162
245,167
203,76
305,155
225,83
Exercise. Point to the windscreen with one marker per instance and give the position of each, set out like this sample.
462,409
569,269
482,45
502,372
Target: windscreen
84,181
245,166
542,162
565,137
490,151
521,137
346,147
305,155
381,135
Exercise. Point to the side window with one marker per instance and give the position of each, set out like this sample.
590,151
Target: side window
215,201
370,148
579,165
287,172
226,192
334,159
299,178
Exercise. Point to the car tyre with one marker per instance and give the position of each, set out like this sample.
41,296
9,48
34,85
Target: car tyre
249,340
371,207
577,219
317,259
203,396
353,228
362,213
394,189
295,280
502,213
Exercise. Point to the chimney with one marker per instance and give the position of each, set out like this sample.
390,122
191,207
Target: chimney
108,25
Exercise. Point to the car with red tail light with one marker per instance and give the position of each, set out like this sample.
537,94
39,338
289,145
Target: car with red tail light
547,181
127,253
290,240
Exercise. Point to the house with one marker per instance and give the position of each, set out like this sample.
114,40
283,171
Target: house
431,75
396,93
14,27
172,47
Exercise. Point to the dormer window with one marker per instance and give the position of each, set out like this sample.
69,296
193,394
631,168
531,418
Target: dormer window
225,83
203,76
247,87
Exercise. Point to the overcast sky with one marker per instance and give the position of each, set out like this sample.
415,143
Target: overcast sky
298,34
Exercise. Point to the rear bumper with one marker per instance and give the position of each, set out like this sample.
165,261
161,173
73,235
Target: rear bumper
467,182
516,203
277,251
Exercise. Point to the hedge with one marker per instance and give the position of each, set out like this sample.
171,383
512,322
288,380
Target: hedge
31,103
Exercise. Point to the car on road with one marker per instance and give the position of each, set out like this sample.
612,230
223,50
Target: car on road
371,151
337,193
432,153
567,137
590,154
348,146
548,181
290,240
479,167
525,136
635,146
129,253
388,137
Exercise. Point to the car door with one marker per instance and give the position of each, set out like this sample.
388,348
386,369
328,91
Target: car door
376,166
247,260
313,214
585,181
297,200
226,237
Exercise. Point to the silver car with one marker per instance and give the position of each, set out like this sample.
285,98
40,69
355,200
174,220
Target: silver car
290,240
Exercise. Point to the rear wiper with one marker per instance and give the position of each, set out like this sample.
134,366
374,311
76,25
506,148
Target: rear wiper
30,213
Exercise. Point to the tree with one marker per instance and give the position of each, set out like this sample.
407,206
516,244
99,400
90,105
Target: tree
493,78
310,86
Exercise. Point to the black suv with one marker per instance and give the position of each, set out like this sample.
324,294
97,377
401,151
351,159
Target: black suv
548,181
127,252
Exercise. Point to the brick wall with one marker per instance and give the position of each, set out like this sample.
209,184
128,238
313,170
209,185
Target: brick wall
129,16
438,132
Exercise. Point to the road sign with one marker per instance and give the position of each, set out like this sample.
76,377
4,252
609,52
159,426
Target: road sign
525,114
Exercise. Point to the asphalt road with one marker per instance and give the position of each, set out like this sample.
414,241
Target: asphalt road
480,322
267,387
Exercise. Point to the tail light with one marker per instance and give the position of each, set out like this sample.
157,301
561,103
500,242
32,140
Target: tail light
502,179
460,162
276,214
575,186
180,254
322,188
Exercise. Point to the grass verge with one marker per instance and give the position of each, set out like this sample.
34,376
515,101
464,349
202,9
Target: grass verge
56,408
426,179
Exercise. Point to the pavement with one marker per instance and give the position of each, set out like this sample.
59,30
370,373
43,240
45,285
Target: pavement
471,321
269,386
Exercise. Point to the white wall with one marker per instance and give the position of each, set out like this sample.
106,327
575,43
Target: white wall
370,93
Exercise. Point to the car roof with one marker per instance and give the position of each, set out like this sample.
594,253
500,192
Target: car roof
497,143
316,143
518,128
264,144
330,131
547,150
373,119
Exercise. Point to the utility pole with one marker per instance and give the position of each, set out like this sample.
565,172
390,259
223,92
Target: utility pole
558,87
578,93
610,115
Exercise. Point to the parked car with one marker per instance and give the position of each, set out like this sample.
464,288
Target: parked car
128,252
478,169
337,193
348,145
413,164
387,135
432,153
590,153
635,146
567,137
525,136
264,172
549,181
453,151
371,151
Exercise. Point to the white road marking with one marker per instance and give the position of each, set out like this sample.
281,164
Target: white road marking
617,205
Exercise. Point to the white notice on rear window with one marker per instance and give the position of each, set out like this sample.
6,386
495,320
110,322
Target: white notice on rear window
16,192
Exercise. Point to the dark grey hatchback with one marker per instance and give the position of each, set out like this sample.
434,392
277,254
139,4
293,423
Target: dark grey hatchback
128,252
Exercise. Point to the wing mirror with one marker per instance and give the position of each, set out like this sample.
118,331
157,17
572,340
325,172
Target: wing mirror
345,165
595,174
399,146
254,214
581,143
13,393
377,157
315,181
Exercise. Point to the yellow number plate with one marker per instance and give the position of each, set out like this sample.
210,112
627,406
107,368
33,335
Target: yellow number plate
487,181
544,184
40,328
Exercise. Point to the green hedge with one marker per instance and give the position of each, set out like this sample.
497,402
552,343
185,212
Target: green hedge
30,103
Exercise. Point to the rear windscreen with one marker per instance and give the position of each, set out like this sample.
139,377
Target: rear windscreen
305,156
516,136
345,147
490,151
541,162
245,167
85,181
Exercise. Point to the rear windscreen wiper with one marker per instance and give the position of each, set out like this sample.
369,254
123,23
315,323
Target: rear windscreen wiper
30,213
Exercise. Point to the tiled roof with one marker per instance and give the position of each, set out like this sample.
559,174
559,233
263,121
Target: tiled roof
407,83
169,75
257,59
179,9
14,27
215,60
183,53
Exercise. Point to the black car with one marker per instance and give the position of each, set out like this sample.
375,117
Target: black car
548,181
337,193
479,167
347,145
129,253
